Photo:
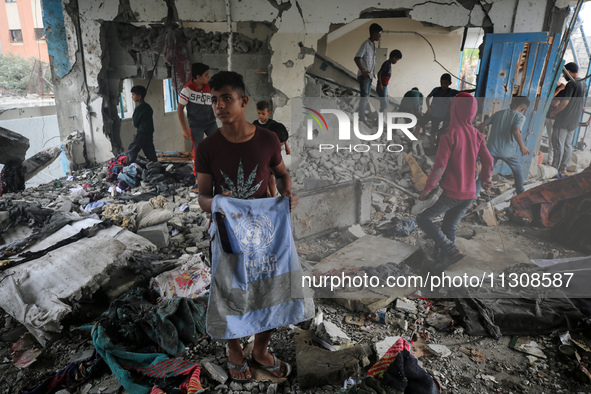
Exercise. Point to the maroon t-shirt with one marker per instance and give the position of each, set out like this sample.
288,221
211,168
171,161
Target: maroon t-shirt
244,167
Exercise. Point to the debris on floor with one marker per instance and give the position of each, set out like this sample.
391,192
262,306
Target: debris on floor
93,333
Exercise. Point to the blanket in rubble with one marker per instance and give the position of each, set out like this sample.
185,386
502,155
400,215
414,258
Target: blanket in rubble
71,376
256,283
133,320
397,372
157,367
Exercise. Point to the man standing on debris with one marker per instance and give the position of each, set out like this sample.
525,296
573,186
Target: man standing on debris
454,165
196,97
365,59
384,76
144,123
506,129
567,118
438,103
236,149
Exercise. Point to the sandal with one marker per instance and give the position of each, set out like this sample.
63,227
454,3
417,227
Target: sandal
240,368
196,188
276,367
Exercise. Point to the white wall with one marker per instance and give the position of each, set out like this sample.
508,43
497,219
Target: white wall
39,125
416,68
298,26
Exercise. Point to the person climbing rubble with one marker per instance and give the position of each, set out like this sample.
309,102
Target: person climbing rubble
454,168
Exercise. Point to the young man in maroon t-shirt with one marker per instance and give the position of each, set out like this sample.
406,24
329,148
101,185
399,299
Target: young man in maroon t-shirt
238,159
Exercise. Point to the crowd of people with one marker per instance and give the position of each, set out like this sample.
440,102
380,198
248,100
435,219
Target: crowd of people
243,160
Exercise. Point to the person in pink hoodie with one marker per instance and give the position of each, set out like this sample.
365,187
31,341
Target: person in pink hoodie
454,170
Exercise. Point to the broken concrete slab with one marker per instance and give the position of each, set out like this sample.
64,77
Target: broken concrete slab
39,161
13,146
581,159
318,367
158,234
542,171
368,251
315,213
384,345
440,321
484,253
37,293
355,231
215,372
332,333
405,305
439,350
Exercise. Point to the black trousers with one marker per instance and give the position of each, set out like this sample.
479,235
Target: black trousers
143,142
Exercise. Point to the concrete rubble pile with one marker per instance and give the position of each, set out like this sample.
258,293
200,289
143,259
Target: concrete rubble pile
159,226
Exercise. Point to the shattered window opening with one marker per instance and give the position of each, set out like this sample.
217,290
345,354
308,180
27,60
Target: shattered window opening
16,36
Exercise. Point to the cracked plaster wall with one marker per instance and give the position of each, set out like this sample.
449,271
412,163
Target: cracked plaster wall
299,25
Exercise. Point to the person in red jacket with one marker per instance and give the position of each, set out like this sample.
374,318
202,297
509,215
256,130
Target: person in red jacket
454,168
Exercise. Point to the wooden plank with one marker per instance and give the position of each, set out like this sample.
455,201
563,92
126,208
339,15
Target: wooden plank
418,177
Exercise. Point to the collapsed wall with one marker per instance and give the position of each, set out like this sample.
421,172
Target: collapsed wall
87,84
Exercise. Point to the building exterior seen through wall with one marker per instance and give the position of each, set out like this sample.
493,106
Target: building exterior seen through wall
27,105
95,47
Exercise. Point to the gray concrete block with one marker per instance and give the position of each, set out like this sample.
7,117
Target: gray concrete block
157,234
3,216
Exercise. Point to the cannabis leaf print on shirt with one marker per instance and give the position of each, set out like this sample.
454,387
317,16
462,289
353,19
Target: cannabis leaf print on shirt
242,189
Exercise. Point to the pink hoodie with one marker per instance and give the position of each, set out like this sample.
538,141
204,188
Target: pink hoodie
455,162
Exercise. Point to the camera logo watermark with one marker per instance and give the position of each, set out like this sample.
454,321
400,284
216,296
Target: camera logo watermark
395,121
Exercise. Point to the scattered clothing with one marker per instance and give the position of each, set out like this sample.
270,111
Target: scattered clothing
72,376
157,366
191,280
397,372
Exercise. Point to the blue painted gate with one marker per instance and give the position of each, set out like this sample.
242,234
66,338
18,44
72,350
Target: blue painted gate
520,64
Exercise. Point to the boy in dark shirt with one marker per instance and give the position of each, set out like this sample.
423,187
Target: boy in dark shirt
237,159
263,112
384,76
438,103
143,122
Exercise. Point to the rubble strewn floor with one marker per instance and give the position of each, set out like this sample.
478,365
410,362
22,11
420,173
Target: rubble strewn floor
463,364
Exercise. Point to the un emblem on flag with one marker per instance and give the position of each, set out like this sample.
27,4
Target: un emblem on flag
255,234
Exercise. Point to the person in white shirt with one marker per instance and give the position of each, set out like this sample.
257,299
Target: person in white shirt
365,59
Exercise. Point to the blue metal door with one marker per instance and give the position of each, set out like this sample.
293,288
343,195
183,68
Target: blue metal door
519,64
